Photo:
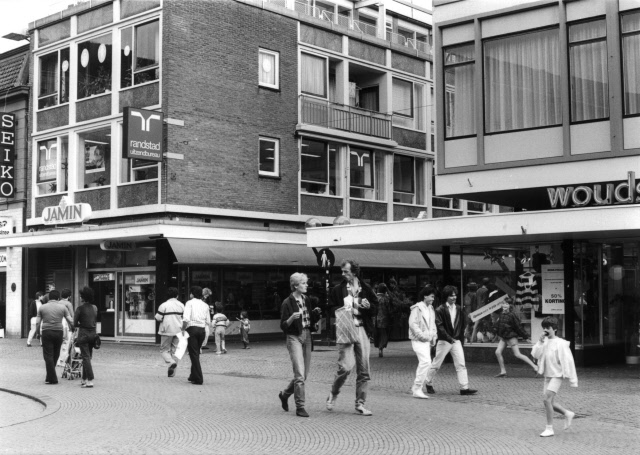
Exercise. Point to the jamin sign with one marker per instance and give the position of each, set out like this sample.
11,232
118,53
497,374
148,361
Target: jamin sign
7,154
142,134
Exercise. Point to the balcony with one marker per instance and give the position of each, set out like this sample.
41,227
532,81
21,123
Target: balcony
346,118
346,21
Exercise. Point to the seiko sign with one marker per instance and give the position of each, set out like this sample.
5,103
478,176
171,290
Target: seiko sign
65,213
597,194
142,134
117,245
7,154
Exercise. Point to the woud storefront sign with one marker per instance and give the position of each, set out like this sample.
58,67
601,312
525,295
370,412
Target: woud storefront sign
66,213
7,154
598,194
142,134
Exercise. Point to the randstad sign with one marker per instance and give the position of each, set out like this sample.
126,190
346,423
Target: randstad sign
597,194
142,134
66,213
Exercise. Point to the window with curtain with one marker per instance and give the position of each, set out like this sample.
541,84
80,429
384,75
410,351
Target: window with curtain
402,98
408,180
459,104
269,62
631,62
522,81
588,71
366,174
314,75
140,54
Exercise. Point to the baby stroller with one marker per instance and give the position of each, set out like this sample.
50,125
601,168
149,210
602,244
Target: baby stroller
73,364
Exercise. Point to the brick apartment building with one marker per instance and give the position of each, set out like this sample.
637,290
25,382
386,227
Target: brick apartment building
274,112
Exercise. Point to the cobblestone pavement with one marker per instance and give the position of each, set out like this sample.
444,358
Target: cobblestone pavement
136,408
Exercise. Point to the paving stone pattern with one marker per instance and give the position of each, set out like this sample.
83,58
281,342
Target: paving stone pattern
135,408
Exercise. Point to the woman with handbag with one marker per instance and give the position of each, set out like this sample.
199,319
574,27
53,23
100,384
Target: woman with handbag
84,320
423,335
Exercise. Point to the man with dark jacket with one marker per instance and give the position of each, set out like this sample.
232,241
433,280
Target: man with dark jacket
450,325
297,321
356,296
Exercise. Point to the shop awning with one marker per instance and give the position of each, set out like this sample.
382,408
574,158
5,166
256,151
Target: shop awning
593,223
189,251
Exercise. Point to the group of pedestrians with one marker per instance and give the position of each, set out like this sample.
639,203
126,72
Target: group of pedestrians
443,327
195,319
55,321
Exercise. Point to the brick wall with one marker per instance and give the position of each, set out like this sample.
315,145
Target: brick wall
210,80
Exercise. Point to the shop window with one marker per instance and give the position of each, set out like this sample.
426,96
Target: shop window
408,180
459,101
94,165
53,165
54,79
94,66
313,75
98,258
140,54
522,81
588,71
320,166
409,110
366,171
269,62
631,62
269,157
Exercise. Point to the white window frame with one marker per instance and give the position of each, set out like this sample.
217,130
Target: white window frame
133,27
276,69
276,157
58,93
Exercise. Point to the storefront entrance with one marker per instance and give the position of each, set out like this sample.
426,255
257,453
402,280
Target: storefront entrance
126,303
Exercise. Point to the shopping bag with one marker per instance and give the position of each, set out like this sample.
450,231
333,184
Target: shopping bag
182,344
346,330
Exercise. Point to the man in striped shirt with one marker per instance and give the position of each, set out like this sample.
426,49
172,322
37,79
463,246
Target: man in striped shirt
195,318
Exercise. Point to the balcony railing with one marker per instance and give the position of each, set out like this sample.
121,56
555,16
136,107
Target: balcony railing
346,118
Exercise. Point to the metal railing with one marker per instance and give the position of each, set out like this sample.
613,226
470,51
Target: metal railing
347,118
345,20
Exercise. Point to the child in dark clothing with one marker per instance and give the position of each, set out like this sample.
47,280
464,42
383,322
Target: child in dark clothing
245,326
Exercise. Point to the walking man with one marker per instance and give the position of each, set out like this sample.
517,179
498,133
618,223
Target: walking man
50,317
297,322
170,316
195,318
357,296
450,326
34,305
65,294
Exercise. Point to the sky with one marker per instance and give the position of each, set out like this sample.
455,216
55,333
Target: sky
15,16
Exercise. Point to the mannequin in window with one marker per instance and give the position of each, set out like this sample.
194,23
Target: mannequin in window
538,259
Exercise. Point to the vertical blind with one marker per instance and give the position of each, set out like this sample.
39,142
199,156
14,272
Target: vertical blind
522,81
313,77
588,71
631,62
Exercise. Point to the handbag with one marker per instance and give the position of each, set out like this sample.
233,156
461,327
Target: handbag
182,344
97,342
346,330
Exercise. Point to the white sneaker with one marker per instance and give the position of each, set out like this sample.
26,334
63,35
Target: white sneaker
418,393
331,401
569,417
546,433
361,410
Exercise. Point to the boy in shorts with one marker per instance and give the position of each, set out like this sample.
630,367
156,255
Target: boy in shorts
555,363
